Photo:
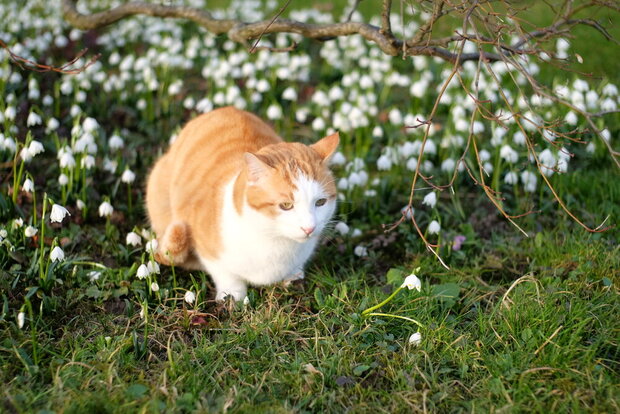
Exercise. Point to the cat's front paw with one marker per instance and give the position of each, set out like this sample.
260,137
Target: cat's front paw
237,295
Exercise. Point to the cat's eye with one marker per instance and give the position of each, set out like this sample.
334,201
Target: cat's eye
320,202
287,205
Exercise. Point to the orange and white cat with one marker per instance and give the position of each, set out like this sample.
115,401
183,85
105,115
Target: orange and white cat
232,198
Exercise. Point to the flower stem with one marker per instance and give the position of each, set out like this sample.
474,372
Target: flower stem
396,316
389,298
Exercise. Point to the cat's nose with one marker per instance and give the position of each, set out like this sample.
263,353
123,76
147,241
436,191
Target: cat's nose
308,230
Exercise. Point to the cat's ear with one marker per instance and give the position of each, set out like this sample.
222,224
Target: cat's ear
257,169
327,146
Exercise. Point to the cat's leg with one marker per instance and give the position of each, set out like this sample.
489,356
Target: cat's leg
227,284
175,245
299,275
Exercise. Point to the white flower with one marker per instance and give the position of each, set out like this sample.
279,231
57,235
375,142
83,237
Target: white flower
142,271
80,204
318,124
610,90
52,124
94,275
507,153
21,319
63,179
412,282
33,119
116,142
18,222
337,159
57,255
58,213
342,228
430,199
395,116
529,181
28,185
448,165
384,163
133,239
3,234
90,124
434,227
289,94
511,177
548,161
30,231
35,148
151,246
246,301
128,176
377,132
415,339
67,160
105,209
190,297
571,118
153,267
360,251
88,162
274,111
154,287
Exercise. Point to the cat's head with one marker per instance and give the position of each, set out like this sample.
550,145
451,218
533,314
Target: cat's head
291,185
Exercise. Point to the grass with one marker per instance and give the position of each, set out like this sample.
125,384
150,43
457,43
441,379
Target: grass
532,326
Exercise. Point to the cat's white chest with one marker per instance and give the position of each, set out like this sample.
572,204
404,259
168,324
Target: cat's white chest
250,249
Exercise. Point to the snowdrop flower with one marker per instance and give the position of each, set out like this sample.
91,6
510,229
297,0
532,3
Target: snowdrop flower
3,234
343,184
609,105
28,185
289,94
142,271
484,155
342,228
356,233
18,222
30,231
412,282
133,239
430,199
58,213
67,160
52,125
151,246
154,287
547,159
57,255
519,138
529,181
35,148
63,179
88,162
90,124
128,176
337,159
478,127
189,297
153,267
360,251
116,142
610,90
395,117
318,124
415,339
562,165
21,319
10,113
105,209
571,118
448,165
94,275
511,177
507,153
434,227
377,132
33,119
412,164
384,163
80,204
110,165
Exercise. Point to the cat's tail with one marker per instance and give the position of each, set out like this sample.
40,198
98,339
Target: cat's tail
175,245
